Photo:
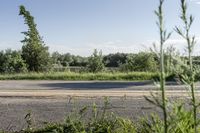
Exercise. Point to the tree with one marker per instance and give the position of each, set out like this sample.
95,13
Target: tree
56,58
140,62
34,51
79,61
172,56
66,59
114,60
95,62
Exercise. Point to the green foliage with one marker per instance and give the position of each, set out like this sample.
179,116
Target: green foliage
180,120
189,77
34,51
140,62
151,124
79,61
164,36
172,57
99,121
12,62
56,58
134,76
95,62
114,60
68,59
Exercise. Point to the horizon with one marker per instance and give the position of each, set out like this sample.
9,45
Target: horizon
78,27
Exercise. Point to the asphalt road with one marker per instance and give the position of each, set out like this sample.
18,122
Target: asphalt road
52,101
82,85
85,89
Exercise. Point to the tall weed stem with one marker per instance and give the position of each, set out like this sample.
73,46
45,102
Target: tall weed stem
163,37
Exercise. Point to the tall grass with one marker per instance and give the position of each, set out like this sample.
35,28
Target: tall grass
132,76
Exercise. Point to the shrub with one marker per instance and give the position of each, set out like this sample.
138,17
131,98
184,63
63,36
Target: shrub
140,62
95,62
12,62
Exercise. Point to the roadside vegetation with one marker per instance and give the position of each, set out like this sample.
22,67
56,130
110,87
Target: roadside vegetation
164,36
189,76
134,76
158,65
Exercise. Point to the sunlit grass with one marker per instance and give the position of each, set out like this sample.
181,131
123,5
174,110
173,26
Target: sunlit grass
132,76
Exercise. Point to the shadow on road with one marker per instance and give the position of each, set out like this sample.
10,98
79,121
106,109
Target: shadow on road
95,85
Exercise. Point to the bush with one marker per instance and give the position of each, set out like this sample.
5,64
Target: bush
12,62
140,62
95,62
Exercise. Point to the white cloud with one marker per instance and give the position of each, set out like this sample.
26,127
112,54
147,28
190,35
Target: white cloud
106,47
10,45
196,1
181,45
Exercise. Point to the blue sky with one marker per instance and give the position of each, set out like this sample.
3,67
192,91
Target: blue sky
80,26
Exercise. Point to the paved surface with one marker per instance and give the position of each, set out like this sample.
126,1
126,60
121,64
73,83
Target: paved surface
53,100
13,110
82,85
84,89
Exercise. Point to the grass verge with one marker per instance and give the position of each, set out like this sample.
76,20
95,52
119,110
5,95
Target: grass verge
134,76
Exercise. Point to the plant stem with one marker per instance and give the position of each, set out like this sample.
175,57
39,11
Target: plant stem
162,85
162,69
190,44
193,91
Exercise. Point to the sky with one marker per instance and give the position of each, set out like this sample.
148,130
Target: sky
80,26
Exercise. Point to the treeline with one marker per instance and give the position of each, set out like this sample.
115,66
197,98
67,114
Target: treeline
12,61
143,61
125,62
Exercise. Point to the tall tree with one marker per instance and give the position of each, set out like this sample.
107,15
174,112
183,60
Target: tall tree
34,51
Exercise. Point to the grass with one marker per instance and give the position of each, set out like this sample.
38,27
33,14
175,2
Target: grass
133,76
